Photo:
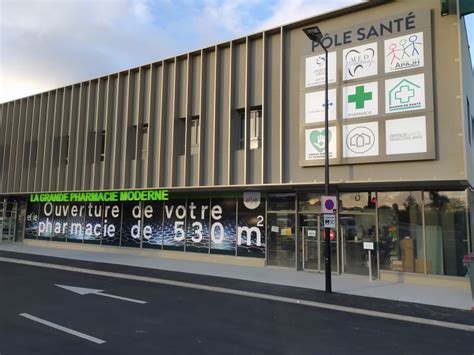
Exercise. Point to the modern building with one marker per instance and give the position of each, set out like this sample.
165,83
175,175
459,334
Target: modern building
221,150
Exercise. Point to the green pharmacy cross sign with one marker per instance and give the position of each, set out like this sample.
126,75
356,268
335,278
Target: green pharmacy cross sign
360,97
102,196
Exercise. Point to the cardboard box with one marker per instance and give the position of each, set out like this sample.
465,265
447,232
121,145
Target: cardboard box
407,247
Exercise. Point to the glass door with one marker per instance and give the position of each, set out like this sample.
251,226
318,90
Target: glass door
311,248
355,230
281,239
313,243
7,221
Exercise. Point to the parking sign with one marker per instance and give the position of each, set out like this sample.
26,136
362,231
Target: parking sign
328,204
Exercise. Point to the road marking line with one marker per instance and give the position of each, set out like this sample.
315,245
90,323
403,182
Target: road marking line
120,298
63,329
365,312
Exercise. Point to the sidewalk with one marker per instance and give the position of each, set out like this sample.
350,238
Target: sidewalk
347,284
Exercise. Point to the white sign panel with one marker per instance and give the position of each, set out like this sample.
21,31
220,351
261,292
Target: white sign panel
406,135
404,52
315,106
368,245
405,93
316,69
360,140
360,100
311,233
315,143
360,61
329,221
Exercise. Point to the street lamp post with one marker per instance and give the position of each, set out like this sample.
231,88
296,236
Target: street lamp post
315,34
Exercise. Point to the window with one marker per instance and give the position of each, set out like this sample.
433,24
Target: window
254,130
179,135
144,140
240,144
66,150
470,131
102,146
446,231
472,127
195,122
255,124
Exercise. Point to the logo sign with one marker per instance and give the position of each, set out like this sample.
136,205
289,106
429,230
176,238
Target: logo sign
315,143
315,103
251,200
361,140
404,52
316,69
329,221
329,204
406,136
360,100
360,61
405,94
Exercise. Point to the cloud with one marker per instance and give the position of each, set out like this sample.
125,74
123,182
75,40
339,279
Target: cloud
46,44
50,44
284,11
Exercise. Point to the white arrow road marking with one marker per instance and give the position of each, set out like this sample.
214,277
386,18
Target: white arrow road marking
88,291
366,312
63,329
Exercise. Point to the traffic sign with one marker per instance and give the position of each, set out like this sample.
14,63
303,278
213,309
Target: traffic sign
329,204
329,221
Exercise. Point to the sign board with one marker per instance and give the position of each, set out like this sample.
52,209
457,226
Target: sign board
329,221
329,204
368,245
383,77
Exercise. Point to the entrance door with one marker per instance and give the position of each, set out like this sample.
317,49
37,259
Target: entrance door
8,217
355,229
312,252
313,244
281,239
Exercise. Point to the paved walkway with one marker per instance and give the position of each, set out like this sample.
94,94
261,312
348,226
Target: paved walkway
348,284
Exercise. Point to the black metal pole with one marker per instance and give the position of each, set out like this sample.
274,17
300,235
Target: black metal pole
327,231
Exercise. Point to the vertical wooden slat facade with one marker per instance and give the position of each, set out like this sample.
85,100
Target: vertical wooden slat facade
53,141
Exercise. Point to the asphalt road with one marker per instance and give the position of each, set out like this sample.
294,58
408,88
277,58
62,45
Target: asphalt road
177,320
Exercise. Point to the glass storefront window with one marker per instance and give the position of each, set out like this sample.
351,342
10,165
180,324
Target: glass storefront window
309,202
446,232
281,202
401,231
357,202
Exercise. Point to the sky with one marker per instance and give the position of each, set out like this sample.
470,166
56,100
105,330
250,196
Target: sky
49,44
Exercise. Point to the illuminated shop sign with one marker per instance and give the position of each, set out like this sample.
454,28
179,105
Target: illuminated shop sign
225,223
107,196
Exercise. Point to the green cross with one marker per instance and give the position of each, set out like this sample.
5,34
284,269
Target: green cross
360,97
